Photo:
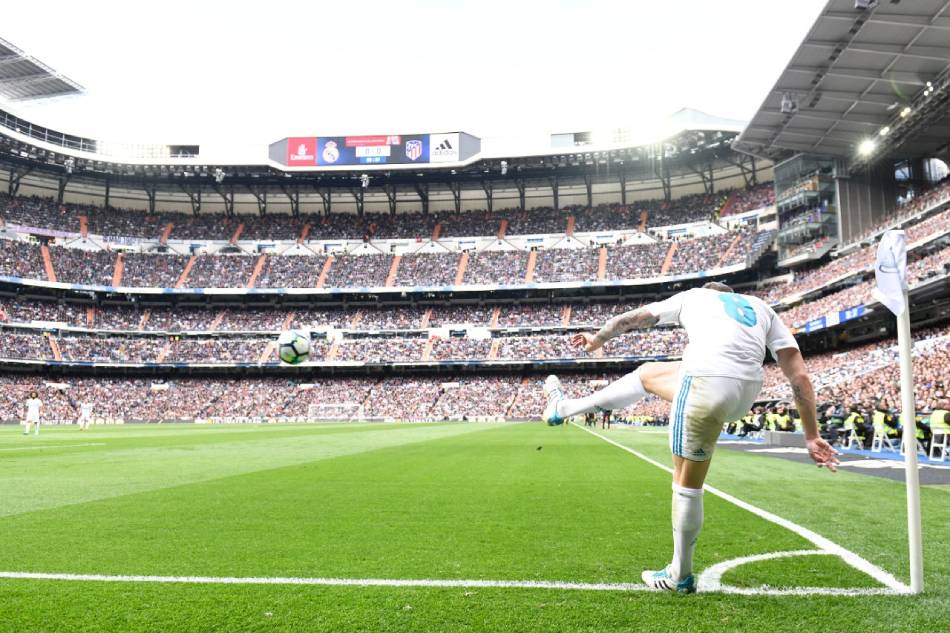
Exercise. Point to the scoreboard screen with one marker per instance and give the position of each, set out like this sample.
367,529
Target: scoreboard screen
384,149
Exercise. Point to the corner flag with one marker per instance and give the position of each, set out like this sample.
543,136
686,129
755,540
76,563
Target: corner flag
890,271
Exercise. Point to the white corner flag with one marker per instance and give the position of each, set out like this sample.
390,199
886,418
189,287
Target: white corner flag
890,272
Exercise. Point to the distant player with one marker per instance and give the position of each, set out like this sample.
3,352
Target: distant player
716,382
85,415
33,404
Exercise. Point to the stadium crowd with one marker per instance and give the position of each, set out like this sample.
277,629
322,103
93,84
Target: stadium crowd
757,197
113,223
861,379
855,262
625,261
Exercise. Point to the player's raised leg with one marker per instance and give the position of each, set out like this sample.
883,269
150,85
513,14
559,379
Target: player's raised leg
656,378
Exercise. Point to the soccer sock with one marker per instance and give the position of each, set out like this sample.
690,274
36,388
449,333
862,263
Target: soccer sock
617,395
687,523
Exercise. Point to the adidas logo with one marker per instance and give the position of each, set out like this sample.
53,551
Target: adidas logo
444,146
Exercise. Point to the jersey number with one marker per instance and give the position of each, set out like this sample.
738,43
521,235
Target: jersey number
738,308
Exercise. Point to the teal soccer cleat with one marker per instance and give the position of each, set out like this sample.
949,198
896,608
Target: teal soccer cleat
552,395
662,581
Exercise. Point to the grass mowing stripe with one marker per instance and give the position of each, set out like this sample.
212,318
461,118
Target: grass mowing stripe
38,481
885,578
486,505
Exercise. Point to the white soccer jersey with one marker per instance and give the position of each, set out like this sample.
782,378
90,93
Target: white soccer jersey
33,408
85,409
728,332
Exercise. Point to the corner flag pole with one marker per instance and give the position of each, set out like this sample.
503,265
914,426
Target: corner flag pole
891,275
911,476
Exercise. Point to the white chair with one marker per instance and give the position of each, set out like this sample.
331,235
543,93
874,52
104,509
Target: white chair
880,440
920,448
851,439
944,436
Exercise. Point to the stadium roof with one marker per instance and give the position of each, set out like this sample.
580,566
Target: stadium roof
851,79
23,78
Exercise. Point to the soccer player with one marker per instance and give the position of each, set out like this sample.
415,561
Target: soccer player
85,415
716,382
33,404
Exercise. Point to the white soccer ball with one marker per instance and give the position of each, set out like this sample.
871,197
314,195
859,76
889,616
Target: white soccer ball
293,346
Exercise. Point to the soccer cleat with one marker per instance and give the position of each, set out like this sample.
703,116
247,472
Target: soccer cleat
662,581
552,395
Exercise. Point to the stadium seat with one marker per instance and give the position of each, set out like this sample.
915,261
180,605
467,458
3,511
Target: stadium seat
942,444
851,439
880,440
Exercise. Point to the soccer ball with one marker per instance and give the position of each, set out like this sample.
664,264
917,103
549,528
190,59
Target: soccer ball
293,347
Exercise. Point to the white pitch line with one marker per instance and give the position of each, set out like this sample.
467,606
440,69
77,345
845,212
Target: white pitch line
711,579
39,448
885,578
332,582
422,582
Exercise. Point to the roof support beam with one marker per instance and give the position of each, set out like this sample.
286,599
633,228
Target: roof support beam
25,80
810,149
489,188
293,196
422,190
830,115
812,134
358,197
910,79
938,53
837,95
326,197
892,19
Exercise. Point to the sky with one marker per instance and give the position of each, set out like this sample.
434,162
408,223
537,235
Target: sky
249,73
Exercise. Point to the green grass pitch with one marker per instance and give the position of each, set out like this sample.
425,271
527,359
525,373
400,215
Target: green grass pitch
431,501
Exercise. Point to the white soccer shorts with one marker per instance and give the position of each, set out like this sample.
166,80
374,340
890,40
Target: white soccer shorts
701,405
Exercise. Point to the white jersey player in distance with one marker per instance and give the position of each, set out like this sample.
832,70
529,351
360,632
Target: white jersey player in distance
85,415
717,381
33,404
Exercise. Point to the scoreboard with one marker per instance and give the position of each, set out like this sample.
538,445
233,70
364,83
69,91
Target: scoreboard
383,149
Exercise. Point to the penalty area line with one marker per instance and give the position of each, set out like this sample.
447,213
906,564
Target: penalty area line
884,577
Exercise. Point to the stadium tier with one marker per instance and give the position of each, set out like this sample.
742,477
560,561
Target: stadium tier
41,213
858,377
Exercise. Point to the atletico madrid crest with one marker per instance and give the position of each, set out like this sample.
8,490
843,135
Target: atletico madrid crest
413,149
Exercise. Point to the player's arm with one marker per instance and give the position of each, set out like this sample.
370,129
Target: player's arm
793,366
620,324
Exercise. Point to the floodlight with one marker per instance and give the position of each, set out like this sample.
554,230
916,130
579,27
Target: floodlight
789,103
364,181
504,167
867,146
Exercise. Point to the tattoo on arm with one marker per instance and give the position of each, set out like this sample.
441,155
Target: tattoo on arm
623,323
